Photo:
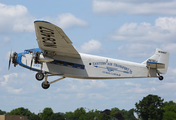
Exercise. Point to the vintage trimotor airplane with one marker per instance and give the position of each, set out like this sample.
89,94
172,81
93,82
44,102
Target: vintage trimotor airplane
56,56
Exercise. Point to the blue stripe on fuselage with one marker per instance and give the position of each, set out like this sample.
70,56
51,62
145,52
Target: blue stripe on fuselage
18,60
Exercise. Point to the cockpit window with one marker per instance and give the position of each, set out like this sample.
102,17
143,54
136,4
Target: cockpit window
33,50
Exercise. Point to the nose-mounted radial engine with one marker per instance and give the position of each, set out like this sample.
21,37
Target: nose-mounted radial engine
13,58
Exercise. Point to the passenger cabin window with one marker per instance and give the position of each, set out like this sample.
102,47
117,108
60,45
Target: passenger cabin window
52,62
74,65
60,63
70,64
80,66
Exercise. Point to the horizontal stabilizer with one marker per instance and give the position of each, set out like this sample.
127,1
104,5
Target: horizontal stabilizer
155,65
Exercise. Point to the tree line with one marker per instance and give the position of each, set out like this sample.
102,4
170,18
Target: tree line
151,107
78,114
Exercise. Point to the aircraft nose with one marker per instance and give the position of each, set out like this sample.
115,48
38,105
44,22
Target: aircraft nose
17,59
14,58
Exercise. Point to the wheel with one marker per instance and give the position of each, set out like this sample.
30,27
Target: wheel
39,76
161,77
44,86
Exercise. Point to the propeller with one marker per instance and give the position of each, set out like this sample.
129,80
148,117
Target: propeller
10,59
35,58
33,54
31,63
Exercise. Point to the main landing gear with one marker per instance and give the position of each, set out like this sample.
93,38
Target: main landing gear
39,76
45,85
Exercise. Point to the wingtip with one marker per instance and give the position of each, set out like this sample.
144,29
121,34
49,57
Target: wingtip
41,21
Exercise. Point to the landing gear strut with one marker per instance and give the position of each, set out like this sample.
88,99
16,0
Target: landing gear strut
45,85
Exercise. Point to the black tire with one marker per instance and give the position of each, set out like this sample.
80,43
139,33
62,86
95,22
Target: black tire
161,77
44,86
39,76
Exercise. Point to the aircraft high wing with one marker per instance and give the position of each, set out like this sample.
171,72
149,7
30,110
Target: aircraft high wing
56,56
53,41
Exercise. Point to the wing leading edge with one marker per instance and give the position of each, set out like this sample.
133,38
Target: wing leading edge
53,41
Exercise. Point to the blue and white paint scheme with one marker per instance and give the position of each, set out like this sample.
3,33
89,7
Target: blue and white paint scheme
57,56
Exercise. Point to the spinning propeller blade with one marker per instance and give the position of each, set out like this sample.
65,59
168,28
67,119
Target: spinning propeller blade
10,58
33,54
31,63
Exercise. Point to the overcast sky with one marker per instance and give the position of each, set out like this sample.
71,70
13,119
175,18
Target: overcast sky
122,29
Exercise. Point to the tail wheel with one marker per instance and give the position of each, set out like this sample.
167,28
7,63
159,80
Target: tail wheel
45,86
161,77
39,76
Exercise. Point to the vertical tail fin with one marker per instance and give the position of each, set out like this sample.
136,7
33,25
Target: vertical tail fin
160,57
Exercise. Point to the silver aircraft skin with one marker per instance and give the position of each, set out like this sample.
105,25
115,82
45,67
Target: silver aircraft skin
56,56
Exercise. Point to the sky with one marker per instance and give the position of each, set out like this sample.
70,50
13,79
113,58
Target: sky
129,30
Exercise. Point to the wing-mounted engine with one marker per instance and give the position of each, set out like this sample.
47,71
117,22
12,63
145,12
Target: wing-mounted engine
39,58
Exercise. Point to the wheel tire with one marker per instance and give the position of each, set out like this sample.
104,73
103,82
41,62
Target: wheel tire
161,77
39,76
44,86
